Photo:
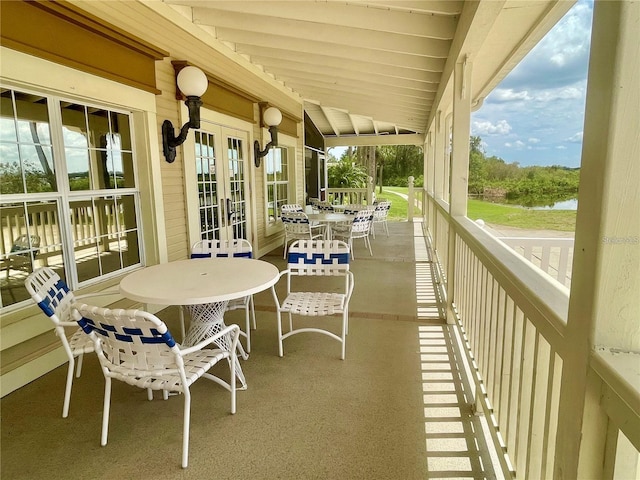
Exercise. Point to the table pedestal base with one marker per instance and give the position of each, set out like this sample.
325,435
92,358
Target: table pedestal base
206,320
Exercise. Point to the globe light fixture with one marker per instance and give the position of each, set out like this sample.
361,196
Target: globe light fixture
192,82
271,118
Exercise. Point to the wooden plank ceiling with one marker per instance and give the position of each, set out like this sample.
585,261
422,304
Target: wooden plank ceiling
362,67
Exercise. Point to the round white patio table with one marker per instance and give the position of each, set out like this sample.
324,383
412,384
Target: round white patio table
328,218
204,286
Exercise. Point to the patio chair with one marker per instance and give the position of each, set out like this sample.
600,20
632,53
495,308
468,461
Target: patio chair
23,251
53,296
291,207
325,207
353,208
230,248
136,347
316,258
380,216
360,227
294,208
297,227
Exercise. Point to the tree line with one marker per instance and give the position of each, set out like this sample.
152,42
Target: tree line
488,176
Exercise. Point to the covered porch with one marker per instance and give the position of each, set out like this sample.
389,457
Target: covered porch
399,406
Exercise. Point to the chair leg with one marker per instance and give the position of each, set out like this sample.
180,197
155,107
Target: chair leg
105,410
233,364
182,330
185,428
67,389
366,240
247,322
253,312
149,394
279,321
79,366
345,319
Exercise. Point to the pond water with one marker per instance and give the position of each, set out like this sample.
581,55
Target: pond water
571,204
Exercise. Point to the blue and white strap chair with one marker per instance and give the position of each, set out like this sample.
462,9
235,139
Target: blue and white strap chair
237,248
296,227
296,208
54,298
291,207
380,216
316,258
325,207
136,347
360,227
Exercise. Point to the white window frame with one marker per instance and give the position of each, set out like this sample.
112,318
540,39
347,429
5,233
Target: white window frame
289,143
19,72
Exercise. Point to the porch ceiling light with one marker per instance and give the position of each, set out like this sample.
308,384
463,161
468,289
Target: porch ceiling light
271,118
192,82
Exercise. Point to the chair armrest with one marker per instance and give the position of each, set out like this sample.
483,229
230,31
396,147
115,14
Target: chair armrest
351,284
208,341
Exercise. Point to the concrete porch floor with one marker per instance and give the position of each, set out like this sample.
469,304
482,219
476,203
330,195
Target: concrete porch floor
395,408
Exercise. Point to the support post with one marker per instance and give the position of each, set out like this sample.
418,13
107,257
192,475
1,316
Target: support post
603,306
458,178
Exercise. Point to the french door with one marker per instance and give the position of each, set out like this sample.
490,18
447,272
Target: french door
221,177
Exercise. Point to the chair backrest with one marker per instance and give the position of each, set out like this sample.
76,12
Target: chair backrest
291,207
324,207
25,243
318,257
238,247
362,221
382,210
353,208
132,342
51,294
296,223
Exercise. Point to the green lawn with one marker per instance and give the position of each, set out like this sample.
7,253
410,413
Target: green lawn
399,205
563,220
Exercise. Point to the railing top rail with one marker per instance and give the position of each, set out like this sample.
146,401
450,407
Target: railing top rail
542,299
538,241
620,371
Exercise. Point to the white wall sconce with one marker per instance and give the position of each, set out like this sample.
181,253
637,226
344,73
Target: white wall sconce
271,118
192,82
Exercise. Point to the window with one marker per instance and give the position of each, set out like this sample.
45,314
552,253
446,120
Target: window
68,195
277,170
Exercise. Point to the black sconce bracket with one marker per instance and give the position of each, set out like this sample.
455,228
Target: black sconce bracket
169,139
257,153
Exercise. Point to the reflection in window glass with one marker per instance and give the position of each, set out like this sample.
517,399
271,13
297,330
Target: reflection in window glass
97,154
98,149
277,173
30,238
26,162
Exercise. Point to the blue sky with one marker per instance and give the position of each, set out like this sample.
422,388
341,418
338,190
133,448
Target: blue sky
535,116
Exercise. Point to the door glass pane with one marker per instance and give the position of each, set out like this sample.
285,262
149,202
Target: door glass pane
207,181
237,194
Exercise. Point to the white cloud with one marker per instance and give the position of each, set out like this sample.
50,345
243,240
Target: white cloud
501,95
561,147
576,138
519,144
481,127
534,140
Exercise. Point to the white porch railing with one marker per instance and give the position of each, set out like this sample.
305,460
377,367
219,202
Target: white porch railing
552,255
512,324
341,196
